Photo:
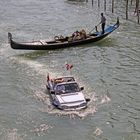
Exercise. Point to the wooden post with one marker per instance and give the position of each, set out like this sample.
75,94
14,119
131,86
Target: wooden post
137,9
126,9
98,3
104,5
112,6
92,3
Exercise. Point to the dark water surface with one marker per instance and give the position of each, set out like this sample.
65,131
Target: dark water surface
109,70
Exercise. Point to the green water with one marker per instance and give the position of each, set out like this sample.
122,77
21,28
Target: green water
109,71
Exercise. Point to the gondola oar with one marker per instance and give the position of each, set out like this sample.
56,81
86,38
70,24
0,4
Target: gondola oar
95,27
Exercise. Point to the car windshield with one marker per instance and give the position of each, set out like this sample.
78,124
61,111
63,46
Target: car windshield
67,88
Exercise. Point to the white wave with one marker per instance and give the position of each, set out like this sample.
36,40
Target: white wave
41,130
98,132
42,69
105,99
12,135
91,109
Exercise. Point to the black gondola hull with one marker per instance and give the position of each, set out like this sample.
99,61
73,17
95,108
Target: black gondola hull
51,46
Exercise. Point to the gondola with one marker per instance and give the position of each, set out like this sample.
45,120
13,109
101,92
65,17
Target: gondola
62,42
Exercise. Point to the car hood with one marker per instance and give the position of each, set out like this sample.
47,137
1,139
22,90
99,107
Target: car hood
71,98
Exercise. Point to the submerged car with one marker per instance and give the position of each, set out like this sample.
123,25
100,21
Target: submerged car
66,93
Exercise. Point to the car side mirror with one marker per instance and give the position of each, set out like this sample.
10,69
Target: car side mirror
52,92
81,88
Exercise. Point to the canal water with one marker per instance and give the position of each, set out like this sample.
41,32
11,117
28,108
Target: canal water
109,70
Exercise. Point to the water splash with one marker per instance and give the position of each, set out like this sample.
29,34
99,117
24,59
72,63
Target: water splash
42,96
91,109
105,99
12,135
41,130
98,132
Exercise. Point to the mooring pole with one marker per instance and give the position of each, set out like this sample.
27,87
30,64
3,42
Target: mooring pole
104,5
98,3
137,9
126,9
112,6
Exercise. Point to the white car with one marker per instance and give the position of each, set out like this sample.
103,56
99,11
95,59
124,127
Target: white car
66,93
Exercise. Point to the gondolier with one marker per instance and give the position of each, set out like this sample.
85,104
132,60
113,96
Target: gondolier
103,21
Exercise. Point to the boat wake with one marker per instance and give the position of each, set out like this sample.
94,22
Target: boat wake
93,106
11,135
40,70
72,114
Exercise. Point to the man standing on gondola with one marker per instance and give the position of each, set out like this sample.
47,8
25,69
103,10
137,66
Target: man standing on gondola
103,21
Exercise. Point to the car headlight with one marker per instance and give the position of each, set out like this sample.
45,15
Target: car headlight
83,104
63,107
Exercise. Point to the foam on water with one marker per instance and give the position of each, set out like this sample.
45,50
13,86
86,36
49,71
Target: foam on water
92,108
12,135
41,130
43,96
98,132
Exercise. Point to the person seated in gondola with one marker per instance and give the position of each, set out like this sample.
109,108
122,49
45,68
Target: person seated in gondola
83,34
76,35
